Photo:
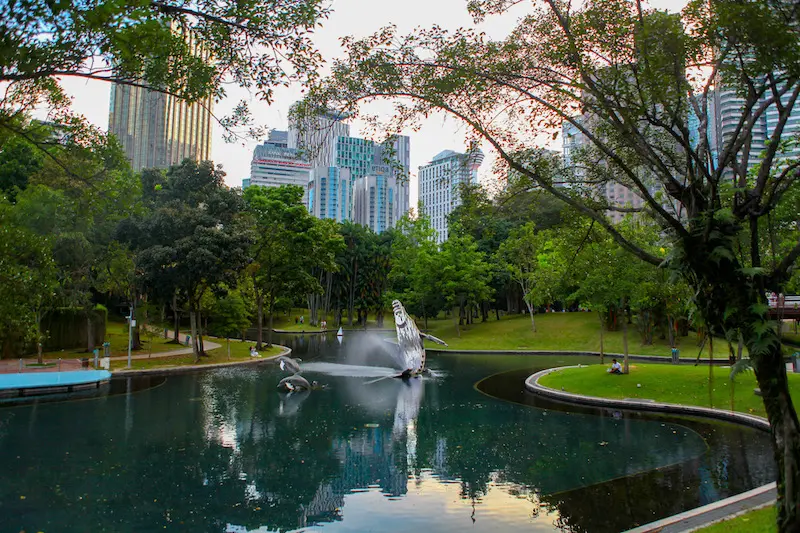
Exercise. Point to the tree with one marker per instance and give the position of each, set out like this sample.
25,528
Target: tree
230,316
631,80
416,264
194,239
27,286
190,51
463,277
532,259
283,250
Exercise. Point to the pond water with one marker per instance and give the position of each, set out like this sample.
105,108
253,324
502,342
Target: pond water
466,449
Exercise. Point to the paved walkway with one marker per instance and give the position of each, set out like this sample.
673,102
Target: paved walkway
208,345
12,366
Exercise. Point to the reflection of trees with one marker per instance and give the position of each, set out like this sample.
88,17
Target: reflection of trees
206,451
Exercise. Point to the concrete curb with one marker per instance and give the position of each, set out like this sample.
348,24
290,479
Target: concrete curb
197,368
532,384
694,518
632,357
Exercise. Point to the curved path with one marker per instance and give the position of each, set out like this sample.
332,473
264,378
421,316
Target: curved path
695,518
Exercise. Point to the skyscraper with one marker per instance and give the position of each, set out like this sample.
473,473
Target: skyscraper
439,183
274,164
316,137
158,130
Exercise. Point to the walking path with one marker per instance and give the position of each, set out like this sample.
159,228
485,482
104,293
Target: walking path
695,518
12,366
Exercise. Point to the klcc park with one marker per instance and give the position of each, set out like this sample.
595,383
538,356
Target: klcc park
360,266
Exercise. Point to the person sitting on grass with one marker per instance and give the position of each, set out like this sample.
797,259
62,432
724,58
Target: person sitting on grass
616,368
253,352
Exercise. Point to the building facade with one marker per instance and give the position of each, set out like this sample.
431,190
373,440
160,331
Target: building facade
274,165
316,137
158,130
439,183
374,197
329,193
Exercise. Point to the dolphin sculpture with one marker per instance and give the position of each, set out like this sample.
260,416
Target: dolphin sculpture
289,364
295,382
409,339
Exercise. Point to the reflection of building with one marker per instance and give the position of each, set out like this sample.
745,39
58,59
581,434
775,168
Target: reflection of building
274,164
158,130
439,183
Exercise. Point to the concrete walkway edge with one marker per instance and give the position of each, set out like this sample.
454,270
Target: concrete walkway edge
694,518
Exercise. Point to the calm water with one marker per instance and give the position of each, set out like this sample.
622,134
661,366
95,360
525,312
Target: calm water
223,451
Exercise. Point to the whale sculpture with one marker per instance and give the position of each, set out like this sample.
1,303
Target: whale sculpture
289,364
409,340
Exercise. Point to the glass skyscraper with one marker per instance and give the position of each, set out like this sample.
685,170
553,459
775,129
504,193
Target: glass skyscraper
158,130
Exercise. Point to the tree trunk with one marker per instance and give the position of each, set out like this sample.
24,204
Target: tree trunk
193,330
530,311
176,334
260,320
269,331
602,352
772,380
624,340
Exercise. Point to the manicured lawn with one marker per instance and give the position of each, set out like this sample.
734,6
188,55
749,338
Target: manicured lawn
760,521
117,335
240,351
683,384
555,331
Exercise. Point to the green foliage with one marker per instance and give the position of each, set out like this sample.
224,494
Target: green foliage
27,286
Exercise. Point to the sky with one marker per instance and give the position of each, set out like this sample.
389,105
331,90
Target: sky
358,18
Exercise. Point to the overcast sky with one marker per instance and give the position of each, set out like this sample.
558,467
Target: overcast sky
350,17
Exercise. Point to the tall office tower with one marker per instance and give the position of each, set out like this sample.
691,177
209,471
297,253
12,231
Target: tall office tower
694,125
729,107
375,194
157,130
439,183
728,110
580,160
401,148
316,137
274,165
329,193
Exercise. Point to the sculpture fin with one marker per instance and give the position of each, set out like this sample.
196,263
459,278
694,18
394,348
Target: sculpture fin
432,338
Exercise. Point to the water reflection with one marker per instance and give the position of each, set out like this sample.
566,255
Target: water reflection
224,451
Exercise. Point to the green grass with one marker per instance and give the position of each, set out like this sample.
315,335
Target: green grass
240,351
760,521
555,331
682,384
117,335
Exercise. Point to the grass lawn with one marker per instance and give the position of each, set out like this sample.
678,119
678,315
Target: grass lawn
240,351
117,335
555,331
683,384
760,521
